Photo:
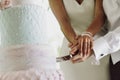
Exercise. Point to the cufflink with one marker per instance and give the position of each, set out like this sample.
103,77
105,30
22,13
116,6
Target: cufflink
101,54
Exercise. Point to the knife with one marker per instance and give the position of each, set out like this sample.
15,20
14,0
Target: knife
67,57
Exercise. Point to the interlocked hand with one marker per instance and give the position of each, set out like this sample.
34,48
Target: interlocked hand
84,48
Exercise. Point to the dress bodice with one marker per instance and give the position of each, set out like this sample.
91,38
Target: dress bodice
80,15
27,24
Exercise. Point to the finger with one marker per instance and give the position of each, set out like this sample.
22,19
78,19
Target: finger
81,45
85,46
74,45
7,2
88,46
88,55
70,44
77,60
84,57
80,60
74,50
77,37
76,57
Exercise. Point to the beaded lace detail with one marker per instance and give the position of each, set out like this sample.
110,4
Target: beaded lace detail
26,24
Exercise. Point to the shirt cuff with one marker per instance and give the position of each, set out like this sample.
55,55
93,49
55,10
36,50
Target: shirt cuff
100,48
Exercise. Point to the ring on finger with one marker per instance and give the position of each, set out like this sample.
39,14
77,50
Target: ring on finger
71,55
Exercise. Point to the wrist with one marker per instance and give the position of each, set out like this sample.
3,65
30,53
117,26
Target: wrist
89,34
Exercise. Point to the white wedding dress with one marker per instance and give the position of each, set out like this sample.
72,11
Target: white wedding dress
81,17
28,42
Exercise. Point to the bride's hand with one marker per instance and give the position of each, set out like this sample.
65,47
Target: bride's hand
5,4
75,50
84,48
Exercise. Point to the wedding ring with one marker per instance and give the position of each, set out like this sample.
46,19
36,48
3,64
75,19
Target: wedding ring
71,56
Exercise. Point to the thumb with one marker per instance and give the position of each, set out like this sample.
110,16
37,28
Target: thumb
70,45
76,37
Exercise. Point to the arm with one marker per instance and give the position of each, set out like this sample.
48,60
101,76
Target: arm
85,45
107,44
95,26
99,18
59,11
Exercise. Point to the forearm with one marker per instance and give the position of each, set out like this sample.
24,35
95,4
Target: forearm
99,18
68,32
60,13
107,44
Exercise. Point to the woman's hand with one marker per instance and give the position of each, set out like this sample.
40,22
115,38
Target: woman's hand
84,48
5,4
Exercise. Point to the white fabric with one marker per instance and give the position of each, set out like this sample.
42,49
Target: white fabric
80,15
21,57
32,74
23,25
29,22
28,62
19,2
16,25
35,2
110,43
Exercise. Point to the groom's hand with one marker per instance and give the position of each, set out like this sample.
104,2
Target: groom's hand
79,57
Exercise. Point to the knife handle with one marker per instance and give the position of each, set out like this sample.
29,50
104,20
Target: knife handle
67,57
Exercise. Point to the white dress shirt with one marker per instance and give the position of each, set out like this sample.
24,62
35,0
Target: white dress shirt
110,43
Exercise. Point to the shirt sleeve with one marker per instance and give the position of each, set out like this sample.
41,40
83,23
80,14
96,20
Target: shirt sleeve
107,44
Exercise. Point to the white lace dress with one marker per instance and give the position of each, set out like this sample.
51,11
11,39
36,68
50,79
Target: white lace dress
27,51
81,17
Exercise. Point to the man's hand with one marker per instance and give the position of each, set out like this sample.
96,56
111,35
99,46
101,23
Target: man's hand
79,58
